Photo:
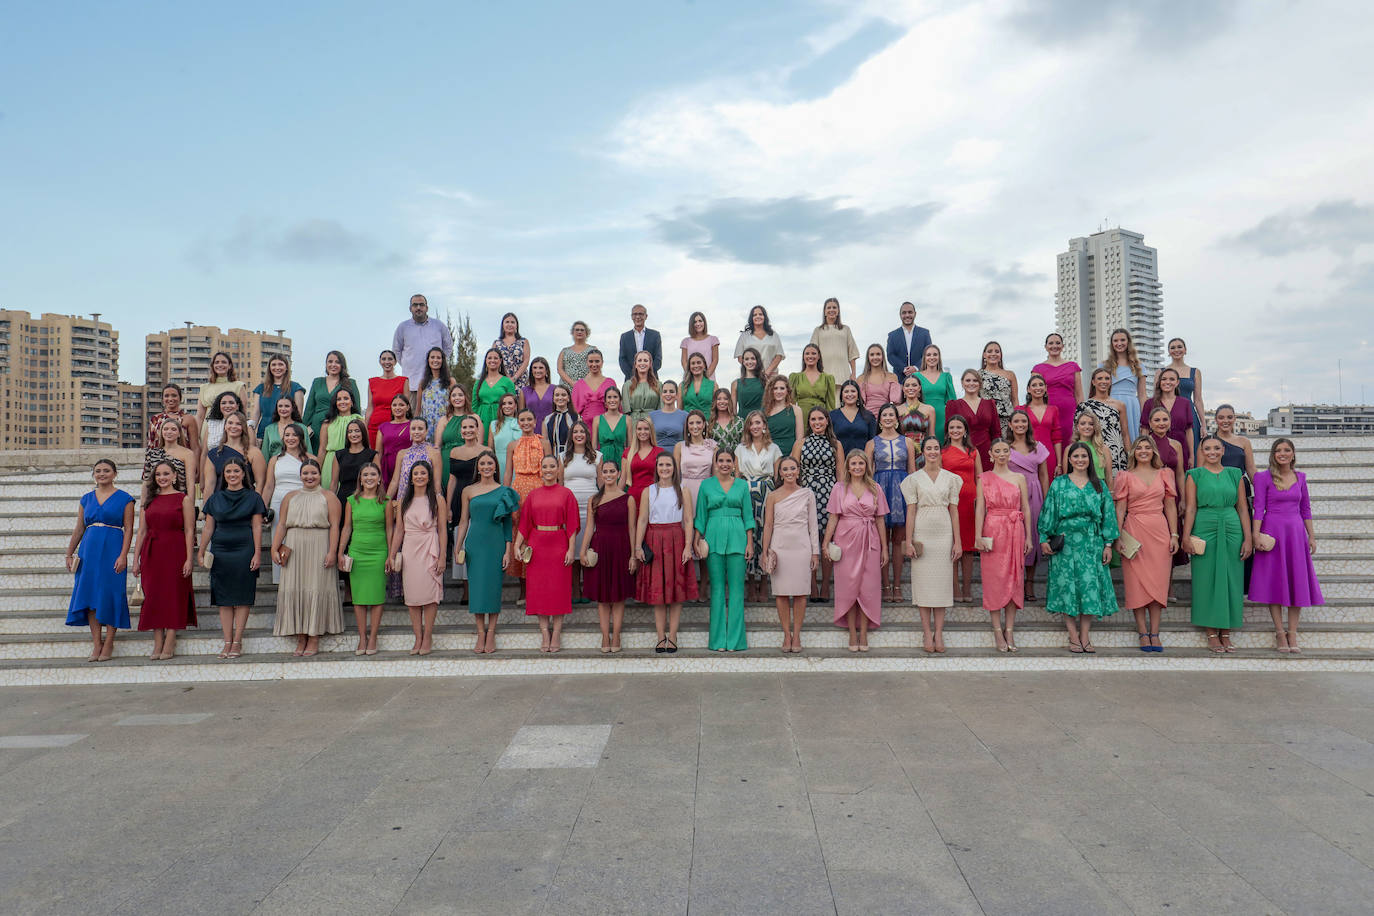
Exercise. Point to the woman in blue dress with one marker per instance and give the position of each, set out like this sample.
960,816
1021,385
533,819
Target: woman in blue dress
98,554
851,423
1128,379
892,459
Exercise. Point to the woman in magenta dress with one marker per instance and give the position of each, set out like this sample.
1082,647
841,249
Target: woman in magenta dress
164,553
857,508
608,581
549,526
1031,460
1065,380
961,458
589,392
1284,577
393,436
1003,518
979,414
640,458
1046,425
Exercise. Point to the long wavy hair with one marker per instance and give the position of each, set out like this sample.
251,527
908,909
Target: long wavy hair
430,496
1092,470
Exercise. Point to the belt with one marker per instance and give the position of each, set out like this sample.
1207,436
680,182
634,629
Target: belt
548,527
103,525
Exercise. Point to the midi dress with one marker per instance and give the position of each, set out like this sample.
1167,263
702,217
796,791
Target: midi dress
724,519
433,403
98,587
641,401
957,461
1048,431
611,439
838,350
818,473
395,439
420,584
232,583
932,573
1109,422
1079,583
541,407
1146,575
380,392
336,441
609,581
490,528
451,438
486,400
642,470
694,399
1218,574
666,579
810,395
308,601
795,540
580,476
782,428
1003,568
756,468
1284,575
1028,466
168,600
409,458
548,522
1126,389
512,355
286,479
938,392
748,396
857,572
1059,384
507,432
889,470
696,466
367,546
852,434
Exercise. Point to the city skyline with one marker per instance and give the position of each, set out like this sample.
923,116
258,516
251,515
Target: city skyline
169,168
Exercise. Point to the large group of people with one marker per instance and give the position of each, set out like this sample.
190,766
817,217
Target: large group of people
830,483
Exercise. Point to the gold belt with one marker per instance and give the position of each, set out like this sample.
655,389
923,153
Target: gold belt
548,527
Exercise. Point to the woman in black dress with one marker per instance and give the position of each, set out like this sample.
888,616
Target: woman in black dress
233,536
349,460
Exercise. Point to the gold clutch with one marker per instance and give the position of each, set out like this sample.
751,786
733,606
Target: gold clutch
592,558
345,563
526,553
1129,545
1264,542
1198,544
136,599
461,557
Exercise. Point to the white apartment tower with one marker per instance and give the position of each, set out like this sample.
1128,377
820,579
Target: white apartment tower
1110,280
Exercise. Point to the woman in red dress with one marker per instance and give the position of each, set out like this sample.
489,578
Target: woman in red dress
960,457
1046,426
637,471
548,525
980,419
380,390
164,553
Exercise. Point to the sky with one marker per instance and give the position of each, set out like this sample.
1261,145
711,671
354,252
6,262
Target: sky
309,165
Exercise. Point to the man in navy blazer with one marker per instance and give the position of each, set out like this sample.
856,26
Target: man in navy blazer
906,344
640,338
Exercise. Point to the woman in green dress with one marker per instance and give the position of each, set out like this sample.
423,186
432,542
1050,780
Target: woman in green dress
937,386
321,396
611,431
284,414
334,433
641,388
1219,515
724,524
783,416
723,425
1079,508
747,390
484,537
367,520
813,386
490,388
697,389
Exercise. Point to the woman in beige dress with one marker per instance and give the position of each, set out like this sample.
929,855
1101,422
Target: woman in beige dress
305,544
932,533
791,548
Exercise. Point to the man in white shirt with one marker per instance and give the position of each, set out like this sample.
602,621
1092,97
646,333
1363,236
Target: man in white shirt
414,339
906,344
640,338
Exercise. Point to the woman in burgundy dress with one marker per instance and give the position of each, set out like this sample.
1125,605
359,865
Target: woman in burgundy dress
978,413
608,581
164,554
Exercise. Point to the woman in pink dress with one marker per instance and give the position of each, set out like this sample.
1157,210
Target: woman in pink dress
1147,509
419,543
1046,424
857,507
878,385
978,413
791,549
1065,380
589,393
1002,517
1031,460
548,525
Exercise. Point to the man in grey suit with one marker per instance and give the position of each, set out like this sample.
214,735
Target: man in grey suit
640,338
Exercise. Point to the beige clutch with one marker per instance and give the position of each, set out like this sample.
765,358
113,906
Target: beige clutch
526,553
396,562
209,559
984,543
1129,546
592,558
705,550
136,599
919,548
834,552
1198,544
345,563
461,557
1264,542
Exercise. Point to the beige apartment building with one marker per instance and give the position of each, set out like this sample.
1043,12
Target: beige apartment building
59,385
182,356
134,411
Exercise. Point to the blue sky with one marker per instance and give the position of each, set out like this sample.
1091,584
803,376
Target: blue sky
308,166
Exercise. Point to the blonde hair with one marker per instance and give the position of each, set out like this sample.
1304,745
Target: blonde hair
868,470
1155,461
1131,356
1095,441
747,438
1273,466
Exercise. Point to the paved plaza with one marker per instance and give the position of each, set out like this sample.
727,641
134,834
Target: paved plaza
1102,792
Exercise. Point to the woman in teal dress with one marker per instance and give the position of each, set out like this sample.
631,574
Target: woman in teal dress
937,385
321,396
1219,514
748,388
1079,507
724,523
367,519
488,392
611,432
697,390
485,534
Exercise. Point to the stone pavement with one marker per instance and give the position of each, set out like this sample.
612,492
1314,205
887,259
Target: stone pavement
867,793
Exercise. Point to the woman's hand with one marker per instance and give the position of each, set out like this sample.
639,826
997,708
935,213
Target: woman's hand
121,563
568,557
1106,554
437,568
687,553
1246,548
1045,549
1173,544
638,554
329,560
186,569
1311,545
136,569
507,556
70,561
749,549
1187,545
256,561
956,551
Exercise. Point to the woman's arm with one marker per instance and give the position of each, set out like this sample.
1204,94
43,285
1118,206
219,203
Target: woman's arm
205,536
1011,377
441,534
1078,387
640,527
335,513
715,358
956,549
254,414
346,535
978,510
269,483
525,354
588,530
256,562
188,531
259,468
75,540
324,438
1190,513
1243,512
279,529
768,523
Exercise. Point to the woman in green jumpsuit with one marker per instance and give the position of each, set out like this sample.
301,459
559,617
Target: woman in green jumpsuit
724,520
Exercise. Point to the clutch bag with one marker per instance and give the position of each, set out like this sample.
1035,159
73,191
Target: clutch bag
648,555
1198,544
526,553
705,550
1129,545
461,557
985,543
1264,542
136,599
76,562
919,548
1056,542
345,563
396,562
209,559
834,552
592,558
283,555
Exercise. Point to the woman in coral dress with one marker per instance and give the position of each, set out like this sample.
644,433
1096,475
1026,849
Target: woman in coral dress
857,507
1002,531
549,526
1147,510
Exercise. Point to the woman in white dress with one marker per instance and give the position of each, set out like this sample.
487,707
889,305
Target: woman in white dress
284,477
580,463
932,535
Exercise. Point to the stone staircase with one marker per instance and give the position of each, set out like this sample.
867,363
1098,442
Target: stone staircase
38,499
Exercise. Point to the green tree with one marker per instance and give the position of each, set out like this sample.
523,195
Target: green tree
463,368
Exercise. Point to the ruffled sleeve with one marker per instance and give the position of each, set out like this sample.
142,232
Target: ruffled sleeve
1170,487
507,504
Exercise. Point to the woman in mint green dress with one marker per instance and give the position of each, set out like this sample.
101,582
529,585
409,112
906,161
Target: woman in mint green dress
724,522
366,523
485,533
1219,514
1079,507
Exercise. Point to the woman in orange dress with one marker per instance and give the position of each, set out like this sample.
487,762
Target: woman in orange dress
523,457
961,458
1147,509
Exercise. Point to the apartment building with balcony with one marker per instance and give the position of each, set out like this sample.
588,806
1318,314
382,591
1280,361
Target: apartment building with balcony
59,385
182,356
1110,280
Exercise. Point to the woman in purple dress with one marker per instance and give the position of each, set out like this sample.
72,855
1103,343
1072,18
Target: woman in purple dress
1284,576
538,394
1031,460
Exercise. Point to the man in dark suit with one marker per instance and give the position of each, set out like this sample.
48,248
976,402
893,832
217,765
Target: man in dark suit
906,344
640,338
